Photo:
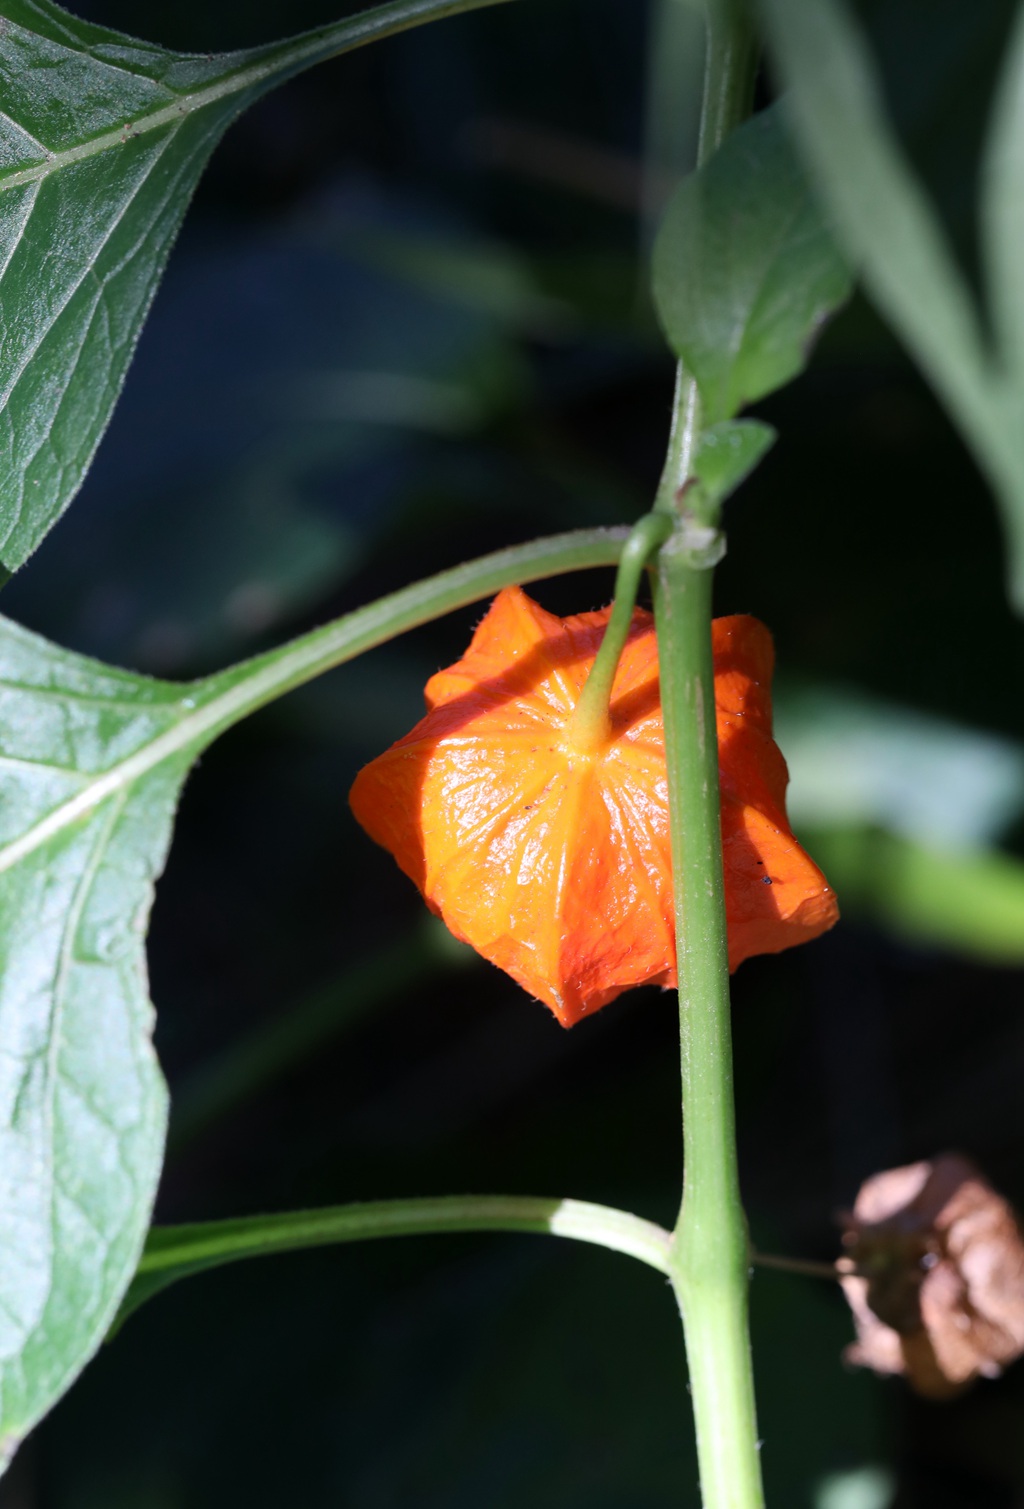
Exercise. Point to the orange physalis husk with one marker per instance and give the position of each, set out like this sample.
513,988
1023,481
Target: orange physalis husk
554,861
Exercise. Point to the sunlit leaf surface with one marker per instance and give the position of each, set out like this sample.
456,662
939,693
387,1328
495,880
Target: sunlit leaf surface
84,828
102,140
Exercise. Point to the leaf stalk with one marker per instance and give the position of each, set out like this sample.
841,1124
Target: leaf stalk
212,705
175,1252
591,722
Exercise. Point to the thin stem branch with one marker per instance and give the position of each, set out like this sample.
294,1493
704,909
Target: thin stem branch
591,722
216,1242
245,687
805,1266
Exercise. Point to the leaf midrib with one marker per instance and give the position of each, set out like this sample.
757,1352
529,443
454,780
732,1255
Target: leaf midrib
343,36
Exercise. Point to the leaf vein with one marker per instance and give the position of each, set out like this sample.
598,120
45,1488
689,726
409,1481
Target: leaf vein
46,328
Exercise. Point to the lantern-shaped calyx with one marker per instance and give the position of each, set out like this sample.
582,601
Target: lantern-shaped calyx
546,848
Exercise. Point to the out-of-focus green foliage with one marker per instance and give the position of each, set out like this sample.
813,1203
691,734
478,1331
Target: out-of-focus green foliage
894,238
968,902
903,812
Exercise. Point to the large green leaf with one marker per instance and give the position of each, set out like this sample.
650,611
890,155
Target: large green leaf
91,764
745,271
81,1099
102,139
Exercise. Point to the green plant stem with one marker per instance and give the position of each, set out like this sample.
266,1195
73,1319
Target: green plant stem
729,67
591,723
244,687
174,1252
710,1259
682,443
210,706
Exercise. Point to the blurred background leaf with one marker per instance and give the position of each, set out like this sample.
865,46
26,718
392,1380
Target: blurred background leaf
895,240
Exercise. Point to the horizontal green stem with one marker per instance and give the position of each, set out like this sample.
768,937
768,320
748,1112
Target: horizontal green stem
174,1252
210,706
256,682
225,1241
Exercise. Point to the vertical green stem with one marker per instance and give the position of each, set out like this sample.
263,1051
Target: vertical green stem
709,1262
729,68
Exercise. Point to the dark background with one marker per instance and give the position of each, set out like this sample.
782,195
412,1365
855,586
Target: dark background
405,324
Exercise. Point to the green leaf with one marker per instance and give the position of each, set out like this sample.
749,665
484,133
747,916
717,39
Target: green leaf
91,764
880,212
891,235
102,140
854,759
727,454
82,1104
745,271
971,903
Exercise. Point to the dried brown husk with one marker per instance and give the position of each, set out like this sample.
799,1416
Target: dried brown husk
938,1288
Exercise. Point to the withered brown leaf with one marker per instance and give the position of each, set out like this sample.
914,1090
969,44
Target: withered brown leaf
938,1287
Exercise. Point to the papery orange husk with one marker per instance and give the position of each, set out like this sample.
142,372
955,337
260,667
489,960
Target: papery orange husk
938,1288
554,862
